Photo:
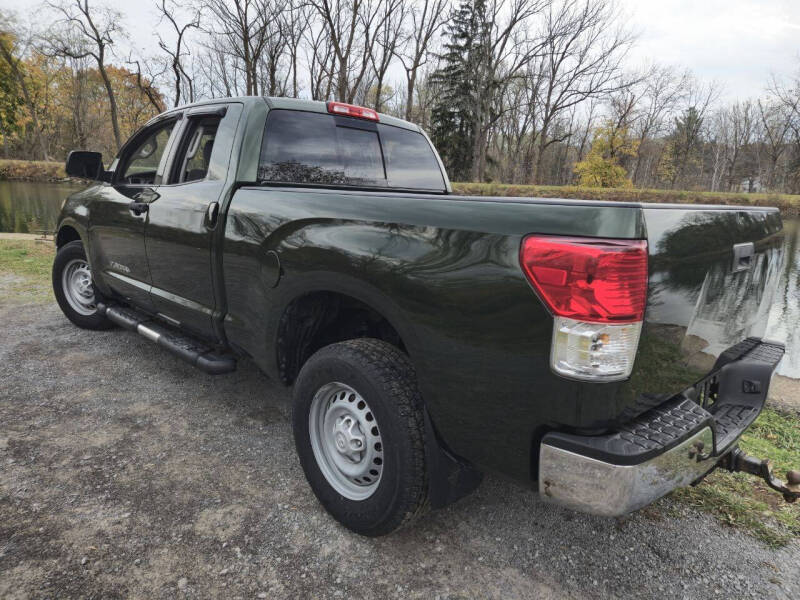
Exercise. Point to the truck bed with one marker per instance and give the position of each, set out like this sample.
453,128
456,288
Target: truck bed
446,272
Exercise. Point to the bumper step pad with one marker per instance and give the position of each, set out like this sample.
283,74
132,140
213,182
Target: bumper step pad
743,384
642,439
195,352
670,446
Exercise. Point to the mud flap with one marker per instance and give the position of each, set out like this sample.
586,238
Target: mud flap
449,478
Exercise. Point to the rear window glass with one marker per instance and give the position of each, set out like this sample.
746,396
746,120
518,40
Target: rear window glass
410,163
314,148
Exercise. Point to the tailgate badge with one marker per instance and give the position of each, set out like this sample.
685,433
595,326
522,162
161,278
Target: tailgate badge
742,256
750,386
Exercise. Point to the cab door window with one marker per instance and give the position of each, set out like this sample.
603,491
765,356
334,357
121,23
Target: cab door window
194,154
139,163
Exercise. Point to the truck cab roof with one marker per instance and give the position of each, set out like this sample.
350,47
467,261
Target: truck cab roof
283,104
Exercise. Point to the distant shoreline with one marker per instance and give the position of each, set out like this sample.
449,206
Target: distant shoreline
789,205
38,171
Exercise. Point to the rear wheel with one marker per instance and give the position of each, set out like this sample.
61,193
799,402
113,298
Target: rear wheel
359,431
73,287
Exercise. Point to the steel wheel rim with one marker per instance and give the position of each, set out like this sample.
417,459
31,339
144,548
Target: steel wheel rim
76,282
346,441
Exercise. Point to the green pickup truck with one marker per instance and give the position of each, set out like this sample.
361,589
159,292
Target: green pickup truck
605,353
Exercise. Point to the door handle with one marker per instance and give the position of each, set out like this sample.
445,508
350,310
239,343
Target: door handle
211,215
147,195
138,208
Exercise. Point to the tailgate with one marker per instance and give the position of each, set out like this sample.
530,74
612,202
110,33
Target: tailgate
712,275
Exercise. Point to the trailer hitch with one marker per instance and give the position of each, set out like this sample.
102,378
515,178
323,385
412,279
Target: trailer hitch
736,461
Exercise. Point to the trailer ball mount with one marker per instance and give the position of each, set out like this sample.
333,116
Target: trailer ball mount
736,461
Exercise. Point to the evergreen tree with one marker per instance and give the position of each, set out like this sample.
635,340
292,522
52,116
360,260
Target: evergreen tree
460,87
684,146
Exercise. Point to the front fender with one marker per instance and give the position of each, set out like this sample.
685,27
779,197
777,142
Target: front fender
75,214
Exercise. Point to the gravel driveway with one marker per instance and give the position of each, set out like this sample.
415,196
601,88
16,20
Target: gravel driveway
125,473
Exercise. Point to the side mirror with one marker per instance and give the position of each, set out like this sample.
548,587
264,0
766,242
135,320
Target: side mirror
87,165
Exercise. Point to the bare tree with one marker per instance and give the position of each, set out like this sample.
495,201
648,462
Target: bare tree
739,128
90,33
776,123
297,16
220,68
387,38
176,51
351,29
585,45
664,87
425,23
145,81
510,48
247,26
321,61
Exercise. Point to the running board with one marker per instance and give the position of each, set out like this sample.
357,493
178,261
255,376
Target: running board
184,347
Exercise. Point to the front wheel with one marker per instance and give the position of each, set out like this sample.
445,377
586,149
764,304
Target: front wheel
73,287
359,430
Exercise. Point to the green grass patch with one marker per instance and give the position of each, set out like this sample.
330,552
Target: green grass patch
741,500
788,204
25,268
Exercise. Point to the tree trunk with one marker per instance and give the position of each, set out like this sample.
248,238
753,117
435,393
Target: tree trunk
537,166
112,101
176,71
412,80
341,82
378,92
294,73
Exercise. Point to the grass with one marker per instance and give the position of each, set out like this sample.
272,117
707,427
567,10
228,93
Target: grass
742,501
25,272
737,500
788,204
31,170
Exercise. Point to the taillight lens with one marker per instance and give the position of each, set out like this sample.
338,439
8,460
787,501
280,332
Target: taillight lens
597,280
596,290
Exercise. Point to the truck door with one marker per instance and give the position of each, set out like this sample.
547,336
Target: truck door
118,215
182,221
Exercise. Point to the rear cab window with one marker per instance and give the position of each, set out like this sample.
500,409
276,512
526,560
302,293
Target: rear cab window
321,149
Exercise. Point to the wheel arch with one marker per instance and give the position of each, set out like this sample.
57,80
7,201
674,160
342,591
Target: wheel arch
68,232
314,318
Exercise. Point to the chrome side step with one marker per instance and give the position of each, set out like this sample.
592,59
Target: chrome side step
194,352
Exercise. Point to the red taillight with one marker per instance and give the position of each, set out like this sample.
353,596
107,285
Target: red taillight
350,110
588,279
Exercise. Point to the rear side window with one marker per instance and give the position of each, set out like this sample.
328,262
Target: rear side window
314,148
197,144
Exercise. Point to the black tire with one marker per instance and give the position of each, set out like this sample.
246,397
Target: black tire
67,254
385,378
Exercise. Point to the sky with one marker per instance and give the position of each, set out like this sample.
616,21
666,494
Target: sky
739,43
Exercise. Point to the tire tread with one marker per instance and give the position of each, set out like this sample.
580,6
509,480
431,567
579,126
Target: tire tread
394,372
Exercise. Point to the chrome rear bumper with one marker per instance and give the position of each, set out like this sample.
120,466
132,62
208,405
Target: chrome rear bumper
667,447
592,486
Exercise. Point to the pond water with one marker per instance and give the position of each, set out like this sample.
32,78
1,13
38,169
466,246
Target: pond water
27,207
32,207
